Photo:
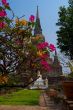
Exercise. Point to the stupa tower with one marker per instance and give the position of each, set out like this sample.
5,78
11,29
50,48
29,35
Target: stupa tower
56,65
38,29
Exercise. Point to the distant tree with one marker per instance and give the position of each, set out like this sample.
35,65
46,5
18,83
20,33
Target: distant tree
65,32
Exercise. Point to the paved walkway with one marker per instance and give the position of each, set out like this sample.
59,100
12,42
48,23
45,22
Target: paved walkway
48,103
44,104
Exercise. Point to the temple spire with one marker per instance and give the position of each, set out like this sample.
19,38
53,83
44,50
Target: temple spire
37,29
56,58
37,14
55,53
57,66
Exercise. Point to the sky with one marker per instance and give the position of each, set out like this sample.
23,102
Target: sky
48,12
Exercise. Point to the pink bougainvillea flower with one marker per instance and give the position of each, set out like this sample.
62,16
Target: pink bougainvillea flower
3,13
43,62
48,68
45,65
39,46
7,4
42,45
4,1
32,18
2,24
52,47
46,44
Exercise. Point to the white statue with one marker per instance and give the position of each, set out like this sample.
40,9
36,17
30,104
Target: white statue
39,83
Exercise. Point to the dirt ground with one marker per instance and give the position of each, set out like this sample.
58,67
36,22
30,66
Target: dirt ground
8,107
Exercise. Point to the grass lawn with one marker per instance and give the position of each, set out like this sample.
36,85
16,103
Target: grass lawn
22,97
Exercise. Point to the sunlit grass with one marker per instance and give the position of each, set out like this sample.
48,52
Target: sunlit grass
22,97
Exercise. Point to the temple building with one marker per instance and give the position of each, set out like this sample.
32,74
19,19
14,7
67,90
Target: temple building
57,68
43,81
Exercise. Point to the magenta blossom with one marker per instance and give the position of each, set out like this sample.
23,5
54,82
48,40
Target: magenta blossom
47,68
52,47
43,62
3,13
32,18
4,2
2,24
42,45
45,65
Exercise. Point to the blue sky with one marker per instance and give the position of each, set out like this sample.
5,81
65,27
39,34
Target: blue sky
48,12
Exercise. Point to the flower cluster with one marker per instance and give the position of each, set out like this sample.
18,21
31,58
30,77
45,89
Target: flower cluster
3,13
2,24
23,27
4,2
44,45
44,55
3,79
45,65
22,22
52,47
31,18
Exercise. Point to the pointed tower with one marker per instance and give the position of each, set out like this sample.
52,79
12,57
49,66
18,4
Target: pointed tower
56,61
37,29
57,67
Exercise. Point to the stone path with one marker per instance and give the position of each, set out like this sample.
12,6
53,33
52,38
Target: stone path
8,107
49,104
44,104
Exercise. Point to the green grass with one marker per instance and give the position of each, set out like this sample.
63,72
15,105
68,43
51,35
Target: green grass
22,97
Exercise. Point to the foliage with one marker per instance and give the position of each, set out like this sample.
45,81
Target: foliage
65,32
70,75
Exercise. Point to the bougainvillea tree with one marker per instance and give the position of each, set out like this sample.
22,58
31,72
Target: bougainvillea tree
18,54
